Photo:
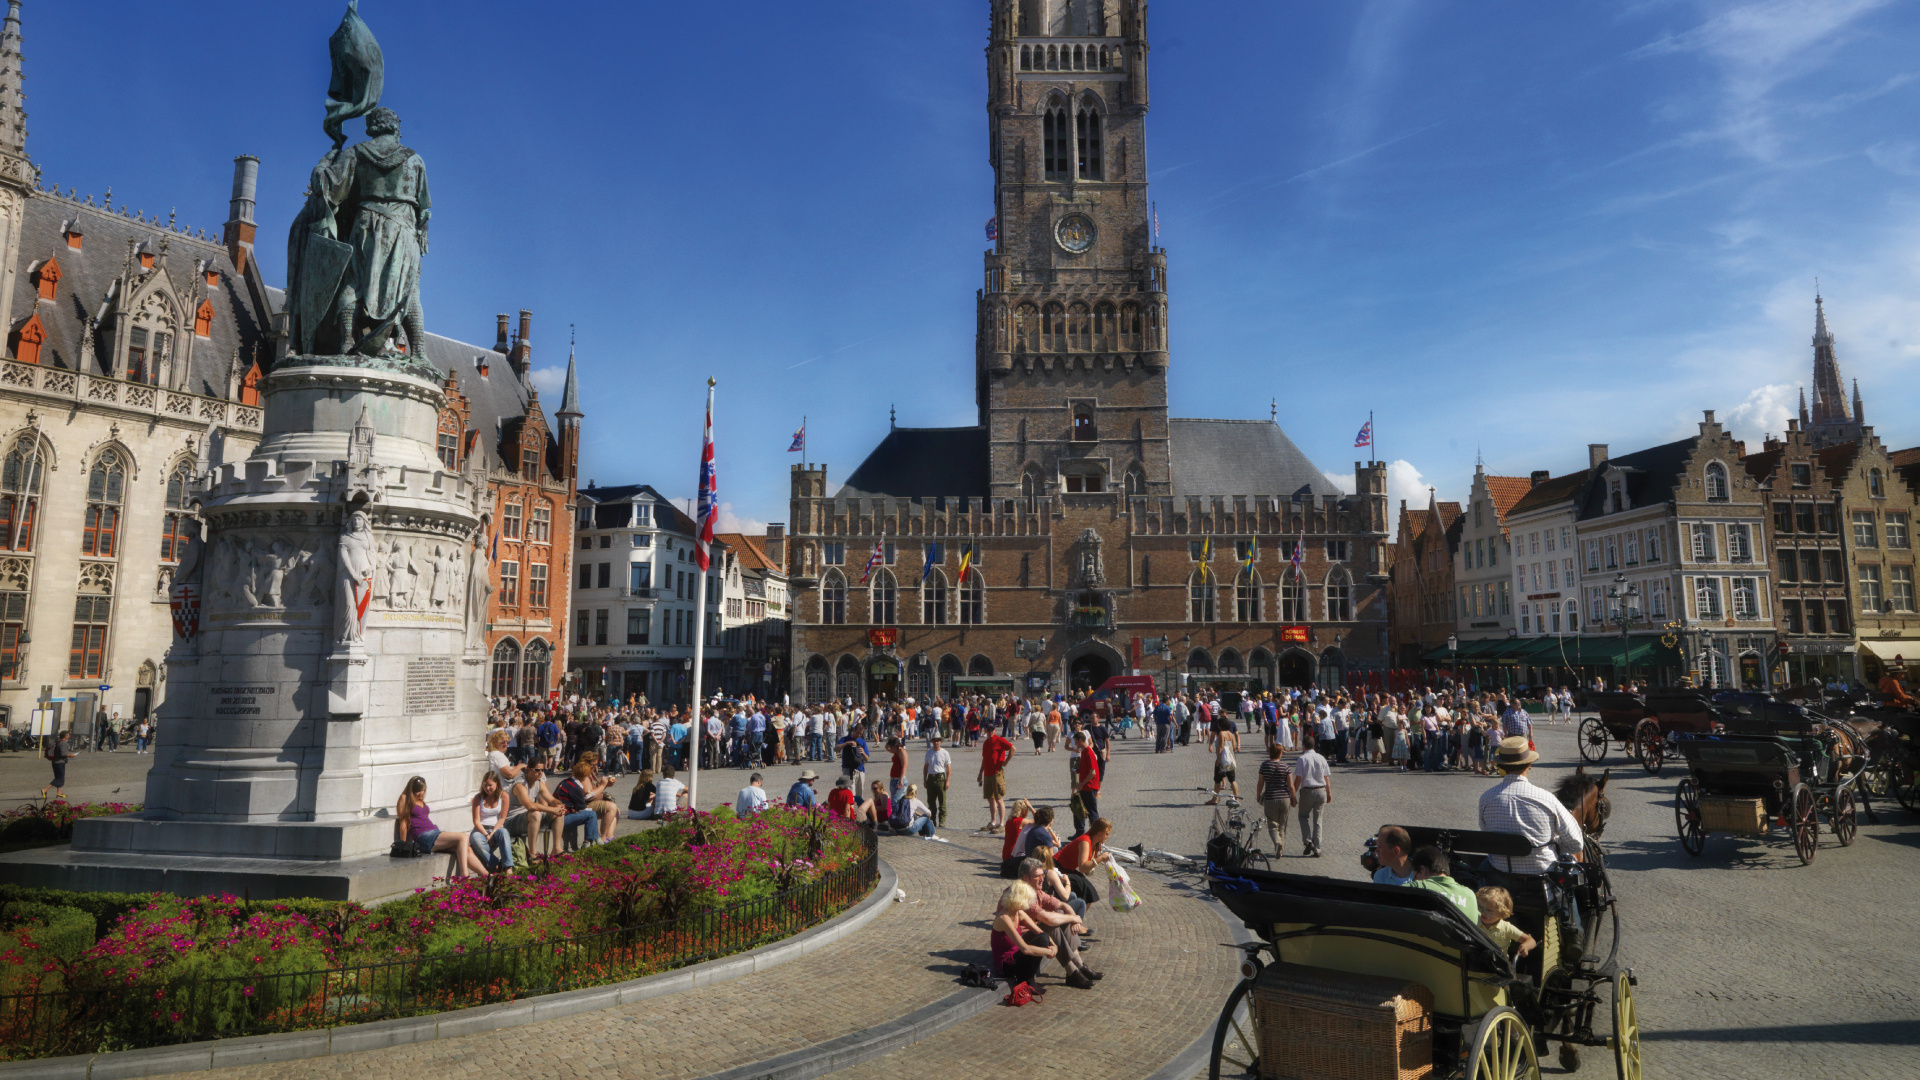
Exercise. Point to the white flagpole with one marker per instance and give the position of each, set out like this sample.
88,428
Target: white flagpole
698,733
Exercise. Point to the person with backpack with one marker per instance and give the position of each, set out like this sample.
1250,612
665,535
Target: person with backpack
58,753
545,737
853,757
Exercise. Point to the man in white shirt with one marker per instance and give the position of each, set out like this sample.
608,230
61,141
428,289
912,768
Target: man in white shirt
933,775
1516,805
1311,785
752,798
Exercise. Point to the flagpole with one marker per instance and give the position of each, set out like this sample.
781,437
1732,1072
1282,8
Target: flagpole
697,734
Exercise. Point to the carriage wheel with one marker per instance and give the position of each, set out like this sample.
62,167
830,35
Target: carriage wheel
1602,925
1845,819
1877,780
1652,743
1502,1048
1236,1038
1593,740
1803,818
1686,814
1626,1028
1906,786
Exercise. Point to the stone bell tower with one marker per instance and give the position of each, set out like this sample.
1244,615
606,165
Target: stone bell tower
1072,334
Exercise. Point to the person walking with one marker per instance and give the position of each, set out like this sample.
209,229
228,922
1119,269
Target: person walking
1225,743
933,773
1086,777
995,752
1311,789
1275,793
58,753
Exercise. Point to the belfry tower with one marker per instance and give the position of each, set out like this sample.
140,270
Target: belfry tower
1072,336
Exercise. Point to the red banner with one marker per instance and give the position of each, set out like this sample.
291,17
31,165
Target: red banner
883,639
1296,634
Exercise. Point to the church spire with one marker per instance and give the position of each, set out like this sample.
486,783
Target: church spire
13,99
570,397
1829,392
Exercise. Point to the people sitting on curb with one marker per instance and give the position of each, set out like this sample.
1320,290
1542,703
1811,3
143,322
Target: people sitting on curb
1062,924
1017,944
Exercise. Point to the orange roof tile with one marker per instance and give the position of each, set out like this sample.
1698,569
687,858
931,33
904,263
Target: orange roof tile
1505,491
751,553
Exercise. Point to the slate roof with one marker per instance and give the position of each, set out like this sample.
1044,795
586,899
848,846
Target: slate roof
915,463
88,274
1241,457
1651,474
666,514
1761,465
1454,521
1548,492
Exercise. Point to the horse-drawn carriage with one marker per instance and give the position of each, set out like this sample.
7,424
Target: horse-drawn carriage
1641,725
1777,766
1358,980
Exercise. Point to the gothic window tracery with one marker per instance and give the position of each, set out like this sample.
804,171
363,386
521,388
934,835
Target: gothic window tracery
1199,597
1079,331
20,481
150,343
1026,329
1130,327
973,599
1058,142
1053,336
833,598
105,485
884,603
1103,326
1088,130
933,599
173,530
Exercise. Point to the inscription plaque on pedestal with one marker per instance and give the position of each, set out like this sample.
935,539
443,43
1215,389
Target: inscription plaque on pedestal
430,681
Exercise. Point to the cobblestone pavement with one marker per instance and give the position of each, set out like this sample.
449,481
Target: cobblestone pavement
1750,966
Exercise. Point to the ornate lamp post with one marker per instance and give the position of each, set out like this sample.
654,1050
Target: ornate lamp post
1623,609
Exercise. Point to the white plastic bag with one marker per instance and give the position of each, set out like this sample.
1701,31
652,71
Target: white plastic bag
1120,892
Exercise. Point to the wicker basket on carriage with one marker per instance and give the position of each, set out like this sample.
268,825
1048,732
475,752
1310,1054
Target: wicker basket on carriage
1740,817
1338,1026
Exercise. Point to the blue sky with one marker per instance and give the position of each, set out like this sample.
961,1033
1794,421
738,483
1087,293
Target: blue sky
1505,228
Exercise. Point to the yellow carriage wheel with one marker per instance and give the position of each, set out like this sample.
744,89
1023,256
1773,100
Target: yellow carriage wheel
1502,1048
1626,1028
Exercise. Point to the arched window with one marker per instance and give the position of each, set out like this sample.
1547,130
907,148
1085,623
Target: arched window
1053,328
105,485
1200,597
1874,487
173,529
1339,596
846,679
1032,484
1053,58
1057,144
1079,328
1104,319
819,679
1136,480
973,599
1079,58
1230,663
1088,130
919,680
1199,661
1026,55
933,599
1026,329
833,598
1260,666
1717,489
1293,606
1246,597
150,342
1129,327
949,670
1153,329
979,665
883,601
20,493
506,668
534,673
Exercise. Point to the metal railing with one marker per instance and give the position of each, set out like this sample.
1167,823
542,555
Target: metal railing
95,1020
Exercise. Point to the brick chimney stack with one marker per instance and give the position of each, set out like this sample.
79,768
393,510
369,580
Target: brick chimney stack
521,356
1538,477
500,334
238,235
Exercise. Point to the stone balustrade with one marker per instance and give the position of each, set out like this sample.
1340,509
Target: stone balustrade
136,398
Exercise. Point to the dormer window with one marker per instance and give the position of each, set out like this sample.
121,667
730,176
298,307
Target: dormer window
145,253
46,278
1616,497
74,237
203,319
530,461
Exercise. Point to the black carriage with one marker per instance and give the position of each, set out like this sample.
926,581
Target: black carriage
1400,982
1774,768
1641,725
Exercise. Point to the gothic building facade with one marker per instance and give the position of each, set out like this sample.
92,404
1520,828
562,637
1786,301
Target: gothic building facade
1077,531
133,355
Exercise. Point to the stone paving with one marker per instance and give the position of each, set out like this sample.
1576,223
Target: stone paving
1750,966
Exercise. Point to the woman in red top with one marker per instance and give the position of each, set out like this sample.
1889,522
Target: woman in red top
840,800
1016,825
1081,854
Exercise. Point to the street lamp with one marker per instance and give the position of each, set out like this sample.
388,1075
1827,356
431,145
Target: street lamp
1623,607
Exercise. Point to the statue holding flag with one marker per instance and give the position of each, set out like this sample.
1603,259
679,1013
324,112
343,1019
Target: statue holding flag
353,255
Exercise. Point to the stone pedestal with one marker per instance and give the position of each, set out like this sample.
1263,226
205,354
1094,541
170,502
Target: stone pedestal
284,743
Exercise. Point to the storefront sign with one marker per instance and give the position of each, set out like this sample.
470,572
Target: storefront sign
883,639
1543,596
883,669
1296,634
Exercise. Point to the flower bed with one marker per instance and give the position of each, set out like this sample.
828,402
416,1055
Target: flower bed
169,970
46,824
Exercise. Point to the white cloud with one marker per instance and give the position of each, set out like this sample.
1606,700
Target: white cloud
1897,156
732,522
1765,412
550,381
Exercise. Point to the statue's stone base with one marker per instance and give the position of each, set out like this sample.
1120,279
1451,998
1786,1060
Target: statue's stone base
366,880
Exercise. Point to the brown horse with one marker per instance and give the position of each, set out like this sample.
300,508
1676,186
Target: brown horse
1586,798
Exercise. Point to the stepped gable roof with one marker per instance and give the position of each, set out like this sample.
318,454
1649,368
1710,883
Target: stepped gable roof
1548,492
1761,465
1241,457
1505,491
752,556
1837,459
1652,475
912,463
87,275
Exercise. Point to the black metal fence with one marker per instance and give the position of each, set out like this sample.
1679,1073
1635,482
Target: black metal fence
81,1021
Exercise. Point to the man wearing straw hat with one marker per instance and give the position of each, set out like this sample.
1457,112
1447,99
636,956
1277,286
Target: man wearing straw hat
1517,805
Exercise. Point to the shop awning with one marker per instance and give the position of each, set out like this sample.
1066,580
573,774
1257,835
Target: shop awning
1467,653
998,682
1893,650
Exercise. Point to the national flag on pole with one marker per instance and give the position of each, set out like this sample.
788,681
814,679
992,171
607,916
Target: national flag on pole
1206,556
966,564
993,228
1365,438
493,556
709,504
926,570
873,560
799,440
1299,557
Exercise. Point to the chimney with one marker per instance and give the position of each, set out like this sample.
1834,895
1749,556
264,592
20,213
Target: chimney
1538,477
1596,453
1709,415
522,355
238,235
500,334
777,543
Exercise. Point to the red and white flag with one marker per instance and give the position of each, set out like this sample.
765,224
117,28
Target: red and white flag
709,504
